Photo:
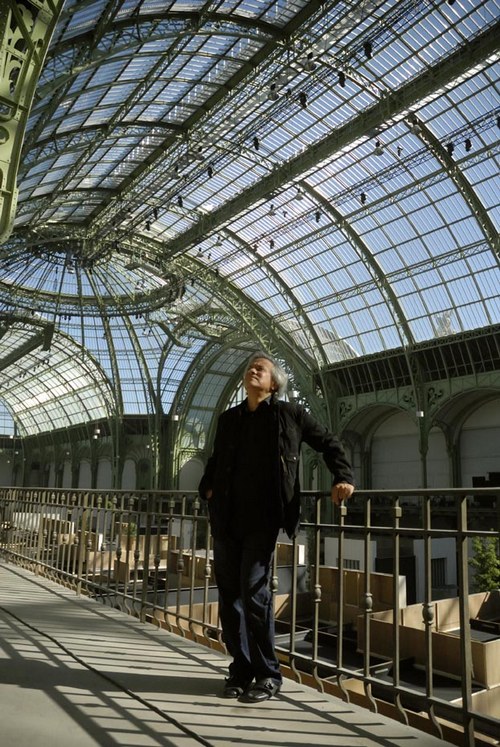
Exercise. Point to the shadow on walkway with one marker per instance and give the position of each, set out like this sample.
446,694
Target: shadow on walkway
79,674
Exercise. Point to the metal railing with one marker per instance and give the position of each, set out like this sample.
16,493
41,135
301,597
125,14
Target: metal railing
374,605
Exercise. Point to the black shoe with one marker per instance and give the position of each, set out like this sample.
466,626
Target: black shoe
262,690
235,686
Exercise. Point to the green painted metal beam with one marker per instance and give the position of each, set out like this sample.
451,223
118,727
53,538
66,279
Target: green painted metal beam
25,33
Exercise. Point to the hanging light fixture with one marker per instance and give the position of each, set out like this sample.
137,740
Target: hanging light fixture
415,128
285,76
309,64
272,94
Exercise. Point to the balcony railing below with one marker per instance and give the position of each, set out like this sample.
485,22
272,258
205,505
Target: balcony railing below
384,602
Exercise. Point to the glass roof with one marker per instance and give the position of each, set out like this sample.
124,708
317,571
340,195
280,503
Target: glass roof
318,179
50,380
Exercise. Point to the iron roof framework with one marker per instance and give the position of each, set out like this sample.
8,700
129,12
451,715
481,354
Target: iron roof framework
318,178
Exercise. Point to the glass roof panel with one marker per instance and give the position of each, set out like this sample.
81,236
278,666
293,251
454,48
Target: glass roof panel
183,184
48,382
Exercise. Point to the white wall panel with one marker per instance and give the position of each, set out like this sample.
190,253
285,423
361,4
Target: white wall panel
190,474
5,471
104,474
67,474
85,480
395,454
129,475
480,443
438,462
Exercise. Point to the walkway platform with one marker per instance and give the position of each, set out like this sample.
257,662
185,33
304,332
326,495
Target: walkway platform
75,673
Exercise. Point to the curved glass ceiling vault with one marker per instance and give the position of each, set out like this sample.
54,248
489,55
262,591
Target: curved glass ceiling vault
47,381
318,177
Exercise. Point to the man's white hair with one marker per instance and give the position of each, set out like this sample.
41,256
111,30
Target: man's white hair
278,374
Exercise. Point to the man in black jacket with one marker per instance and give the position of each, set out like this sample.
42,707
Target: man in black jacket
252,486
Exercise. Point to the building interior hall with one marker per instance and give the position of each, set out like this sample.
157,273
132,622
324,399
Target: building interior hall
183,183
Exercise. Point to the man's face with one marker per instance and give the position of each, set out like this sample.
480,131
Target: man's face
258,377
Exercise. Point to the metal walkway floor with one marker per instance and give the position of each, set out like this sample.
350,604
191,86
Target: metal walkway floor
76,673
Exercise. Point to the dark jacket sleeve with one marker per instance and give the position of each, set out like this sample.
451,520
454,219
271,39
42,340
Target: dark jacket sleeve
322,440
207,480
216,476
297,426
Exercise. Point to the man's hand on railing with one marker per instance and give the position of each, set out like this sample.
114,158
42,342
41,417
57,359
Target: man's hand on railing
341,492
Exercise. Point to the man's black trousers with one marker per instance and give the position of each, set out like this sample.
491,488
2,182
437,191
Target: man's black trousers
242,571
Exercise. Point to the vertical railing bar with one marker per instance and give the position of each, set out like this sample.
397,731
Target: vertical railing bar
147,552
16,532
112,545
97,565
81,546
130,580
465,636
93,579
53,554
27,519
64,544
192,574
56,544
86,526
89,545
120,596
206,584
107,547
428,613
342,513
317,593
73,560
273,581
72,538
367,606
180,568
133,544
293,608
396,614
96,503
40,542
157,554
170,555
65,540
